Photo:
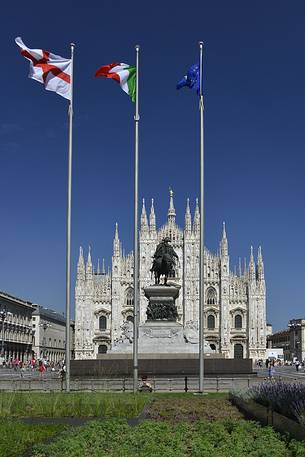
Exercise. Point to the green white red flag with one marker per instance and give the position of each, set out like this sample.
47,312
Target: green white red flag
123,73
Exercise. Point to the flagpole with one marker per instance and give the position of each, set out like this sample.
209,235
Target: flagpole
68,245
201,268
136,240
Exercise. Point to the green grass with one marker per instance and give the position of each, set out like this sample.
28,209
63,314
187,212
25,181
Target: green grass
189,395
192,408
116,405
157,439
17,437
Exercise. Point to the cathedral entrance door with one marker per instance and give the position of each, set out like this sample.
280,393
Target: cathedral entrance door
238,351
102,349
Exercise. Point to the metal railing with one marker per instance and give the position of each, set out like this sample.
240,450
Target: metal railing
174,384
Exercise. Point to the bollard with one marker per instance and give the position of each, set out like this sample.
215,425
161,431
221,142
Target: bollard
154,384
185,384
124,384
248,382
217,383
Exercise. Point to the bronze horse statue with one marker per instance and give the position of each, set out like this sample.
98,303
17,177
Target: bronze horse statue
164,261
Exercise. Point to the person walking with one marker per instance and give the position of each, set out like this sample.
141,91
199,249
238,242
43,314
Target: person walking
41,369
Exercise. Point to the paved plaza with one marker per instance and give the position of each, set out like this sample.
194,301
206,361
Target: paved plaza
30,380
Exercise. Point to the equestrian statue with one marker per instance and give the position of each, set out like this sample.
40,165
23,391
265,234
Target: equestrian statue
164,261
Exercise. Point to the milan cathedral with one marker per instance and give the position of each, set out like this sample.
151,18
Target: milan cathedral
235,303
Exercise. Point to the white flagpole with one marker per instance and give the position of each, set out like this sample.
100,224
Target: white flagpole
136,240
68,246
201,268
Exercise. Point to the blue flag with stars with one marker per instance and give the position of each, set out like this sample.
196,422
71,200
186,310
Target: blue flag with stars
191,79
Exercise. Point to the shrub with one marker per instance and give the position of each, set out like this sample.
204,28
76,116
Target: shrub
157,439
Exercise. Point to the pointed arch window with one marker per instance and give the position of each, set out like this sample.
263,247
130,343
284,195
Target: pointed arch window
238,351
102,323
238,321
211,296
129,297
211,322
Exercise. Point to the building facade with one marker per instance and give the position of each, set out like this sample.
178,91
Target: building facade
297,339
280,340
49,339
235,303
16,328
291,340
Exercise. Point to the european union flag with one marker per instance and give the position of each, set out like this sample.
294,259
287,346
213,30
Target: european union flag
191,79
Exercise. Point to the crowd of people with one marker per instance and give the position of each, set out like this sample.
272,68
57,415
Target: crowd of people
40,365
272,363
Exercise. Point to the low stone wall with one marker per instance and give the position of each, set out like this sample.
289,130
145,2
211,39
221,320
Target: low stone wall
267,416
165,366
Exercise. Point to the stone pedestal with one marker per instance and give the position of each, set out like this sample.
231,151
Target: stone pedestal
161,333
157,337
161,306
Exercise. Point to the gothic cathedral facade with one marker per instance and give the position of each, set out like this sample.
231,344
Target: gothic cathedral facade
235,303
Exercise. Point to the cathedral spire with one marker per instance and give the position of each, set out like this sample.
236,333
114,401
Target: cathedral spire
152,217
260,265
103,267
81,265
89,269
245,268
116,242
188,217
251,266
224,242
171,214
239,267
196,224
224,233
98,267
144,223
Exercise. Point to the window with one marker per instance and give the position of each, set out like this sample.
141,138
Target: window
238,321
102,323
211,296
129,319
213,347
102,349
129,297
211,321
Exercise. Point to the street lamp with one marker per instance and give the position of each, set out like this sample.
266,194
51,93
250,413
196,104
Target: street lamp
3,315
44,325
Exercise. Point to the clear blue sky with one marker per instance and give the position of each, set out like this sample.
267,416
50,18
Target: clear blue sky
254,136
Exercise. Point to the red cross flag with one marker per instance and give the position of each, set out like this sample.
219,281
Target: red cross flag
47,68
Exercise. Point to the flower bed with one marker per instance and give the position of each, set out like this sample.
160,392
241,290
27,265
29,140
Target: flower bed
279,404
285,398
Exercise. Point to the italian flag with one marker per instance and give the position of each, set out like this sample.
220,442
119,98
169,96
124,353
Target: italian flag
123,73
